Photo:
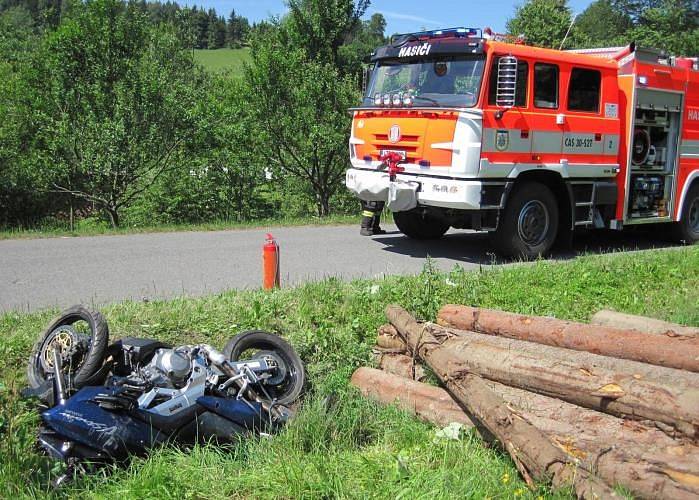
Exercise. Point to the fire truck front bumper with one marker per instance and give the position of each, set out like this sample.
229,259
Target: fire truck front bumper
372,185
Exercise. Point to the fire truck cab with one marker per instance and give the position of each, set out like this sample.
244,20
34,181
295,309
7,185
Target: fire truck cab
456,130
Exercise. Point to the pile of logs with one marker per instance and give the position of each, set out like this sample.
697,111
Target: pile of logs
587,406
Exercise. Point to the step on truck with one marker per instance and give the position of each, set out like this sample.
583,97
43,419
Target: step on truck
466,131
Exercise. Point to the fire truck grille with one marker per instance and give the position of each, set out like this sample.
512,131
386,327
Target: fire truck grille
411,144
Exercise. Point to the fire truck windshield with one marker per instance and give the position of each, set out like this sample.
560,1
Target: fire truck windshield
446,83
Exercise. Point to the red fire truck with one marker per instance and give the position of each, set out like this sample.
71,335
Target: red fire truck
465,131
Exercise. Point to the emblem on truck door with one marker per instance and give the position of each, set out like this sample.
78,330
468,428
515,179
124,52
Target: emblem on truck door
394,134
502,140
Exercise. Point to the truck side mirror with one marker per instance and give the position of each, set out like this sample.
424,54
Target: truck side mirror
506,94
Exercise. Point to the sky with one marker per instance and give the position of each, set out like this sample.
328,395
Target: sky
401,16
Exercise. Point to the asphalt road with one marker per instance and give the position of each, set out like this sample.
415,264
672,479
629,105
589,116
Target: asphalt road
40,273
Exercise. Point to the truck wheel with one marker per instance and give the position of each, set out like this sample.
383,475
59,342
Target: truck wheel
418,225
529,223
687,229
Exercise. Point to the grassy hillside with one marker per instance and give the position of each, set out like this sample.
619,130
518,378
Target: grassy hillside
356,449
222,59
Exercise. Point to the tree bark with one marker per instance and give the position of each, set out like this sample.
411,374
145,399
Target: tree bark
679,352
388,338
113,214
670,397
531,451
401,365
429,403
323,202
72,213
642,458
643,324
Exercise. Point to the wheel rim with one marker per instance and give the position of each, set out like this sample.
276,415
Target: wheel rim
277,387
70,348
694,216
533,223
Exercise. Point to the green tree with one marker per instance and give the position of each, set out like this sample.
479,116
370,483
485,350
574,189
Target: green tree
237,30
23,200
367,36
634,9
223,176
117,100
322,27
672,25
298,109
601,24
543,23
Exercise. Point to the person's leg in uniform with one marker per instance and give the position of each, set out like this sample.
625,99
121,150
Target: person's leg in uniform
367,228
371,216
376,228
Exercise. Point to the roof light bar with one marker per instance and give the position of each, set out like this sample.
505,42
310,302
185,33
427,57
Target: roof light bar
459,32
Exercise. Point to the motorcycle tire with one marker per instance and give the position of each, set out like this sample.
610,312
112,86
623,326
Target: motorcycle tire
294,382
90,363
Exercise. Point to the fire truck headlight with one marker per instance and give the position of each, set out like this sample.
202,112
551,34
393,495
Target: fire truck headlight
377,100
397,100
387,100
407,100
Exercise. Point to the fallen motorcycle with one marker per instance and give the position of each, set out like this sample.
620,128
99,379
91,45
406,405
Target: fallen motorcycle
105,402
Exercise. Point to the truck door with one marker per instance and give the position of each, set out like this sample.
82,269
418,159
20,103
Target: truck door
547,134
507,140
590,127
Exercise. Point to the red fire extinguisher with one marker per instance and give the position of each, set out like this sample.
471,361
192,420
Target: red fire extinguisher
270,263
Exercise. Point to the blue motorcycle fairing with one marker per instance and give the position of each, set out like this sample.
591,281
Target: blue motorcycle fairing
248,415
116,433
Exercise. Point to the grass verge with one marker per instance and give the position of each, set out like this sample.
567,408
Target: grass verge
100,229
358,449
231,60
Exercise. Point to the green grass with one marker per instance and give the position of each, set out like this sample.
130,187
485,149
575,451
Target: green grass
359,449
223,59
92,228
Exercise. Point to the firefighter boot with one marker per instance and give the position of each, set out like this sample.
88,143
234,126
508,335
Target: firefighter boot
367,221
376,228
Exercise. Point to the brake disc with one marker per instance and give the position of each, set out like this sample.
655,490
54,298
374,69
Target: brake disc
279,373
71,344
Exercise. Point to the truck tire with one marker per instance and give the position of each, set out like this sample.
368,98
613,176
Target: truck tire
529,223
687,229
418,225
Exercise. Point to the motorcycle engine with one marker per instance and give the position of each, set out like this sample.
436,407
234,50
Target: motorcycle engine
168,368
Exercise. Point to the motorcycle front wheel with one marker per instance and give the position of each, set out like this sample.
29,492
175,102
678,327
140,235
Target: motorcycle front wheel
288,380
81,335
